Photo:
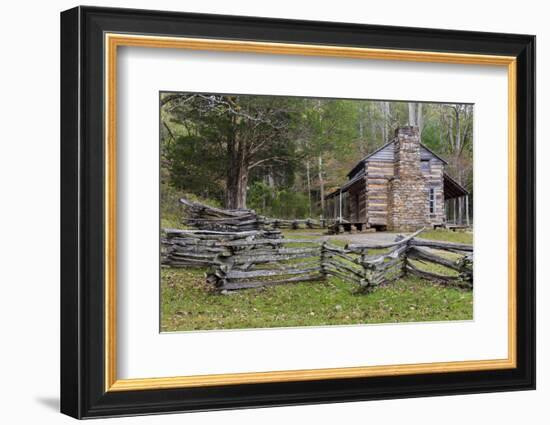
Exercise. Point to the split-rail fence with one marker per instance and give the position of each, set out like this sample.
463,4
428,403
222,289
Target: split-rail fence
252,259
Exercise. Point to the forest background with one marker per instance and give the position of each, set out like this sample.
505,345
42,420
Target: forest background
281,155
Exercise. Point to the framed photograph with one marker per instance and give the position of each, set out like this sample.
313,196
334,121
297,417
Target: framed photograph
261,212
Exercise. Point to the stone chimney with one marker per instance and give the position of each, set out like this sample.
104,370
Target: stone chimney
407,206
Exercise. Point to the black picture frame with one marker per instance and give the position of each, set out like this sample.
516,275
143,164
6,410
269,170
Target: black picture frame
82,219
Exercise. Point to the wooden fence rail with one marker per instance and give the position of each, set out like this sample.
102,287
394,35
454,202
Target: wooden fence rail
305,223
192,248
252,259
419,257
205,217
264,262
344,264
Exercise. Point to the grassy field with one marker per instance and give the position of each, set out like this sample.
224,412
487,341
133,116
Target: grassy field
448,236
188,303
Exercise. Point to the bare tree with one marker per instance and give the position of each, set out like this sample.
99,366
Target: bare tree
415,115
386,121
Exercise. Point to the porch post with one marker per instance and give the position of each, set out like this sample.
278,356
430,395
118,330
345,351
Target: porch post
467,212
454,210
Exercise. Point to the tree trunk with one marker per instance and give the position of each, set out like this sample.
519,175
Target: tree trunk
237,182
321,183
361,137
457,133
419,118
385,121
415,115
309,187
373,127
237,174
363,148
412,114
270,179
457,149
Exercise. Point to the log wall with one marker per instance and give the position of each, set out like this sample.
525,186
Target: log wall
379,172
381,205
434,179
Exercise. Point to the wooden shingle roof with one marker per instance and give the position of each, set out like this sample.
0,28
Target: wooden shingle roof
361,163
451,188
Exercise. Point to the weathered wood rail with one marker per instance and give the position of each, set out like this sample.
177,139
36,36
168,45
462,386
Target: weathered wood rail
419,257
192,248
342,263
266,262
305,223
205,217
252,259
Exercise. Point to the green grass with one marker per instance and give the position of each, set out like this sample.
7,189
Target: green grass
188,303
448,236
171,222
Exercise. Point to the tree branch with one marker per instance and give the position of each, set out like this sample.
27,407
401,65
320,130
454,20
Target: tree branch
169,130
261,161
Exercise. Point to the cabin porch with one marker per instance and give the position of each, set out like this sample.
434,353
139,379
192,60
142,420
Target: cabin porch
457,204
346,207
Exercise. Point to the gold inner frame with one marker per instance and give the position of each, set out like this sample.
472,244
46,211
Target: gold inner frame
113,41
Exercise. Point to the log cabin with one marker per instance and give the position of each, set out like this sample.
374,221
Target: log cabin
402,186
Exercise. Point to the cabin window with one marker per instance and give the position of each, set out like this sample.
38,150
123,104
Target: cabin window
425,165
432,200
